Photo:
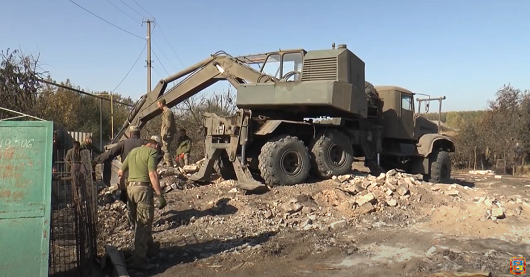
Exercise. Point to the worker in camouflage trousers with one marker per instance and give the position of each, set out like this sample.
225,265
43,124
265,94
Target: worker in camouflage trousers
183,148
167,131
142,181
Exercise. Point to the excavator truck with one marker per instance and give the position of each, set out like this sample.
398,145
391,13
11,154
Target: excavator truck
300,113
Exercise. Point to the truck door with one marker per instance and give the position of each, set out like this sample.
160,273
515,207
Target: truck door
407,115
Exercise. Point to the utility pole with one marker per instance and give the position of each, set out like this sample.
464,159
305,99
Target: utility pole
149,61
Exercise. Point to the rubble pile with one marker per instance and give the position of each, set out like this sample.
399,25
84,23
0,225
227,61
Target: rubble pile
496,210
220,211
176,178
113,226
348,198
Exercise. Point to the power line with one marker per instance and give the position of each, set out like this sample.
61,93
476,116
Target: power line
163,54
135,62
171,46
107,21
163,34
122,11
131,8
163,67
142,8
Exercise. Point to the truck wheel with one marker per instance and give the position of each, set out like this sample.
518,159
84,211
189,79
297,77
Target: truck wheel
283,161
332,154
223,166
440,167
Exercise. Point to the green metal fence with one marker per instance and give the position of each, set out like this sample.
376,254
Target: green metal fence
25,197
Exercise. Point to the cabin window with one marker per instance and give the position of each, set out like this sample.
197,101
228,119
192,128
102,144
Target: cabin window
406,102
272,66
292,62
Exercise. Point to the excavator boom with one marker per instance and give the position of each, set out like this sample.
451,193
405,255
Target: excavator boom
220,66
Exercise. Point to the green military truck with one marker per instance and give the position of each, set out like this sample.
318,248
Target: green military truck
301,113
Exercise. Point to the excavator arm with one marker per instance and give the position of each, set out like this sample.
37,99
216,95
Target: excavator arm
220,66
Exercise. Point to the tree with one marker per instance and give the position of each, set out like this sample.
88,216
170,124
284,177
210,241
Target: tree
18,82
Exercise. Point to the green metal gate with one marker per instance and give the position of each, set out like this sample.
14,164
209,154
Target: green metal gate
25,197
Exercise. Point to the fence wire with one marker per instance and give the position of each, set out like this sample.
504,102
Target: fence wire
73,220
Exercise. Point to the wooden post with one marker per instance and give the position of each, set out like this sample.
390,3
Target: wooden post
475,163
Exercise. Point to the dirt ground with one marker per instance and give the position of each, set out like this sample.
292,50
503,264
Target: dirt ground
326,229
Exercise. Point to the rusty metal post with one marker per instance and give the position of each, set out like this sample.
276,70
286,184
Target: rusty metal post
439,99
100,123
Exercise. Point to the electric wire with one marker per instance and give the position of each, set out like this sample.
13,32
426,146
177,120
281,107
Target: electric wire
162,65
171,46
163,34
122,11
135,62
142,8
106,21
131,8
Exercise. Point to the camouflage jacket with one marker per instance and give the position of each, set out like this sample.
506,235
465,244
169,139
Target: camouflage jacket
72,157
183,145
168,123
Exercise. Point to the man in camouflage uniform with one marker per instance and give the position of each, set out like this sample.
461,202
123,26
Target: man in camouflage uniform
167,131
87,145
73,156
142,180
183,148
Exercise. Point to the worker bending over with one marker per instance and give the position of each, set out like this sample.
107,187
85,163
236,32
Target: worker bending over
183,148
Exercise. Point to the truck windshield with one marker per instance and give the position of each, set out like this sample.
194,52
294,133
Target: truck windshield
275,66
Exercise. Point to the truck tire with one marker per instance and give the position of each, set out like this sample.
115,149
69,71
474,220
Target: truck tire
331,154
284,161
440,163
223,166
371,93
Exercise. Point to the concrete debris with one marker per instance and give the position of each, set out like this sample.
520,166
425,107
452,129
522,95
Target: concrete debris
482,172
338,224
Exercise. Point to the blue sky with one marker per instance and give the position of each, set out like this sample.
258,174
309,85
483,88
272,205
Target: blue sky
464,50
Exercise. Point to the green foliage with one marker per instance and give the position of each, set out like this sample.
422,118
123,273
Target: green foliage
455,120
21,91
493,134
18,82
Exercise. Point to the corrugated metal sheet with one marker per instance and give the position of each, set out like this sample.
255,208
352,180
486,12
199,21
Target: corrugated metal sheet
25,195
79,136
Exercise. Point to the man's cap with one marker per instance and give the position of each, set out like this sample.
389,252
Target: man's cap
156,138
134,128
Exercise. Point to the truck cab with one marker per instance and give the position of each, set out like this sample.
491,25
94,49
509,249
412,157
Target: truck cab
399,119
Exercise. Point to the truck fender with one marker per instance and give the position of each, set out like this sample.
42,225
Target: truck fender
428,142
271,125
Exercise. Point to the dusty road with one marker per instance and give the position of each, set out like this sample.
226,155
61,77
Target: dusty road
336,228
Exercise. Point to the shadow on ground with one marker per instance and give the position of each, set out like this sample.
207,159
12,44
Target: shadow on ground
183,217
175,255
462,182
